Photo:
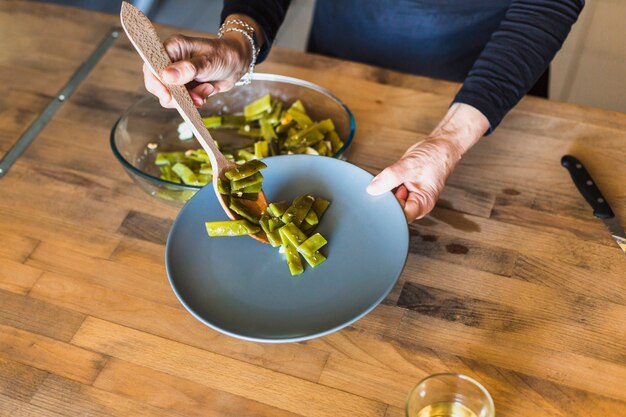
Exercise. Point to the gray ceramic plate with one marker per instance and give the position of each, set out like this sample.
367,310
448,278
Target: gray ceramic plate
243,288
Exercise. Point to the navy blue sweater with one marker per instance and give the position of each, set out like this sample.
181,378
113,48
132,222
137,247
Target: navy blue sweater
497,48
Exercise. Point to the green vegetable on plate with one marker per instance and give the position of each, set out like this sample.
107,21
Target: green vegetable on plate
279,221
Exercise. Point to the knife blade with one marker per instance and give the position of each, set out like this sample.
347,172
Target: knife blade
590,191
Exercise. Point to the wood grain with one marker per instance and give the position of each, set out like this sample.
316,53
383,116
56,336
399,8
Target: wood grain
17,277
70,398
16,247
146,227
18,381
38,317
272,388
170,392
173,323
49,355
16,408
510,280
59,40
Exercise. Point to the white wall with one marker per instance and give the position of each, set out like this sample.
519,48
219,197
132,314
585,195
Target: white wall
591,67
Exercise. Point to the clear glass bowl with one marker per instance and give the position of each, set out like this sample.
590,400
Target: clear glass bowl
146,128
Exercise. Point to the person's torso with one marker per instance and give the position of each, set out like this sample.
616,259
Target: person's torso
437,38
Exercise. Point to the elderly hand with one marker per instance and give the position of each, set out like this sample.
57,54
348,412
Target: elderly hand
420,175
206,66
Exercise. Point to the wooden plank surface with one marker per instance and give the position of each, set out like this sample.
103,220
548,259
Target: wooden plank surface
35,67
509,280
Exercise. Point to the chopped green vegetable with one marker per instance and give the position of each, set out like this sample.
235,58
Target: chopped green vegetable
223,186
275,223
311,218
272,129
274,117
206,169
278,209
298,106
254,188
308,229
203,179
264,222
212,121
298,210
261,149
295,235
258,107
233,121
315,259
336,143
320,206
185,173
294,240
245,182
277,128
241,209
169,158
231,228
168,175
312,245
300,117
291,253
246,170
244,155
249,131
273,236
322,148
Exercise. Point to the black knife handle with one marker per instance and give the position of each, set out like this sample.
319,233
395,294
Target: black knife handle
587,187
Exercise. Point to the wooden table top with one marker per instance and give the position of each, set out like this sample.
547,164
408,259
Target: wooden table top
509,280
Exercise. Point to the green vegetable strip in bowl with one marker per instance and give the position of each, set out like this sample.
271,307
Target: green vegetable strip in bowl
276,129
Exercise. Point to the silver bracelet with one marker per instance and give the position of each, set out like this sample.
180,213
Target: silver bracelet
248,32
236,22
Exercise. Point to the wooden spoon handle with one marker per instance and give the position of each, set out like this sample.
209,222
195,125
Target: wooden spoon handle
146,41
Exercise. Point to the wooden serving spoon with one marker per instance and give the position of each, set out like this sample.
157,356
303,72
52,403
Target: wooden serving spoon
146,41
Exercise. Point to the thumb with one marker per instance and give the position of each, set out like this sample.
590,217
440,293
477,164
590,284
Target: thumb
181,72
387,180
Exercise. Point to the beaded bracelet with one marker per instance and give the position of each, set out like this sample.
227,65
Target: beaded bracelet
248,32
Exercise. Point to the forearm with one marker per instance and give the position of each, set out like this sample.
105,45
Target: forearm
258,31
529,36
462,126
267,15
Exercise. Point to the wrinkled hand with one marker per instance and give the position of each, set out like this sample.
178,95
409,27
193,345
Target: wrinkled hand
419,176
206,66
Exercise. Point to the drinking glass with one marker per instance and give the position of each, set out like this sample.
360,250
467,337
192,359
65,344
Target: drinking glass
449,395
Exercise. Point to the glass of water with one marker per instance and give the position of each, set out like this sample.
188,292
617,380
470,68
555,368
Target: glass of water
449,395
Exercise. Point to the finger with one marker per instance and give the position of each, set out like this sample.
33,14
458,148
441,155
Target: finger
154,86
203,90
418,204
179,47
387,180
198,101
222,86
200,68
411,210
181,72
402,193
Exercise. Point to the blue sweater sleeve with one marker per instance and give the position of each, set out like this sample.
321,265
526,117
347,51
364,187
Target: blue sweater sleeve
269,14
517,54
